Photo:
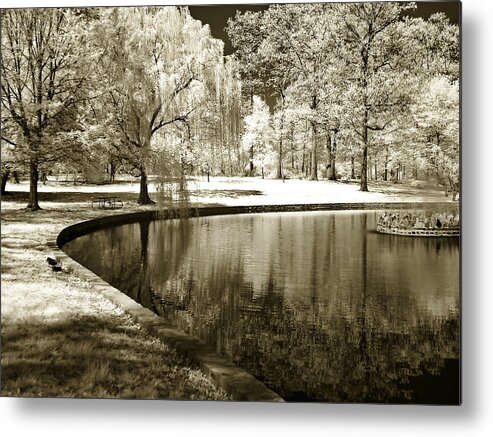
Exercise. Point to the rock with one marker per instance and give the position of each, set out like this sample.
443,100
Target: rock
52,259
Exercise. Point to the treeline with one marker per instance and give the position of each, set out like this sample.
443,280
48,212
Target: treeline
360,91
99,91
353,90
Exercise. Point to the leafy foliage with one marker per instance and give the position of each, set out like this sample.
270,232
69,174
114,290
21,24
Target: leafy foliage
94,92
46,73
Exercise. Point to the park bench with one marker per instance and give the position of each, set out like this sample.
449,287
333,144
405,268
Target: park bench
107,203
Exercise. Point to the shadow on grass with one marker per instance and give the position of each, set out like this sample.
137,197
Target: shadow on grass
68,197
89,197
231,194
405,190
88,357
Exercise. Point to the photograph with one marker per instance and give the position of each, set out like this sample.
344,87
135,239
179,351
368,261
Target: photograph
232,202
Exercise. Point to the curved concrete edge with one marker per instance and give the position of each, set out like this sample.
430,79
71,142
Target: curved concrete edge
236,382
82,228
239,384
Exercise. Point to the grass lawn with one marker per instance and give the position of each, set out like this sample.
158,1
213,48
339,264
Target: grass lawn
60,338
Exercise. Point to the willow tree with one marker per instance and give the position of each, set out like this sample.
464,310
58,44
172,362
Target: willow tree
223,120
46,71
160,68
376,52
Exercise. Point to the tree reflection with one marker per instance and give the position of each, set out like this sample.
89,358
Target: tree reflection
316,305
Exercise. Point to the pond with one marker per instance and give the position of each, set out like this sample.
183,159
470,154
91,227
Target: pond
317,305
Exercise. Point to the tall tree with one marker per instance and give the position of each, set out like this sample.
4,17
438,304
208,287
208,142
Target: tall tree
437,121
247,34
299,45
45,73
258,131
295,44
375,53
435,46
159,64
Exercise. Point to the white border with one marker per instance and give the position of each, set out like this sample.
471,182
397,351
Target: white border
60,417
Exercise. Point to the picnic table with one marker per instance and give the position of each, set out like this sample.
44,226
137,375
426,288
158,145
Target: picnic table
108,202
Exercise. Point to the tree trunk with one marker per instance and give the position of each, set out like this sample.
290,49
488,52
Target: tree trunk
332,157
364,170
5,177
279,164
364,162
327,165
386,170
144,198
112,172
415,172
394,174
303,160
292,148
250,173
314,163
33,203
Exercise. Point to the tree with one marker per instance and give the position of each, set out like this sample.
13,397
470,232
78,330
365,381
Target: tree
256,137
375,52
434,129
435,46
45,73
437,121
300,46
295,44
217,129
247,34
8,164
160,67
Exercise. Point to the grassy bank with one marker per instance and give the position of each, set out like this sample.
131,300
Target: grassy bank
61,338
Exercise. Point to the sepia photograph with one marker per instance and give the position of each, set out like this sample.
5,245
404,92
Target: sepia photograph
235,202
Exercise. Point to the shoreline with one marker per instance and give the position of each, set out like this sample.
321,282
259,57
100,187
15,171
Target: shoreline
61,215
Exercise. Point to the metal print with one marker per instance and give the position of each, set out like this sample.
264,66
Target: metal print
235,202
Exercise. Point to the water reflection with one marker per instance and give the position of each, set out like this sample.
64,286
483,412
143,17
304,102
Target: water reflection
317,305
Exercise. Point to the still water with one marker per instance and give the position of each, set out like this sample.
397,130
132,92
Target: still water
316,304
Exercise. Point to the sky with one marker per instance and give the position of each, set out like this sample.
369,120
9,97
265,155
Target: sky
217,16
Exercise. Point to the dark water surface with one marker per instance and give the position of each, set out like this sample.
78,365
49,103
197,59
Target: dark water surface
317,305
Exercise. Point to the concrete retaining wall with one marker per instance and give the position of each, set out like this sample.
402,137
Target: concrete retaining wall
85,227
240,384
